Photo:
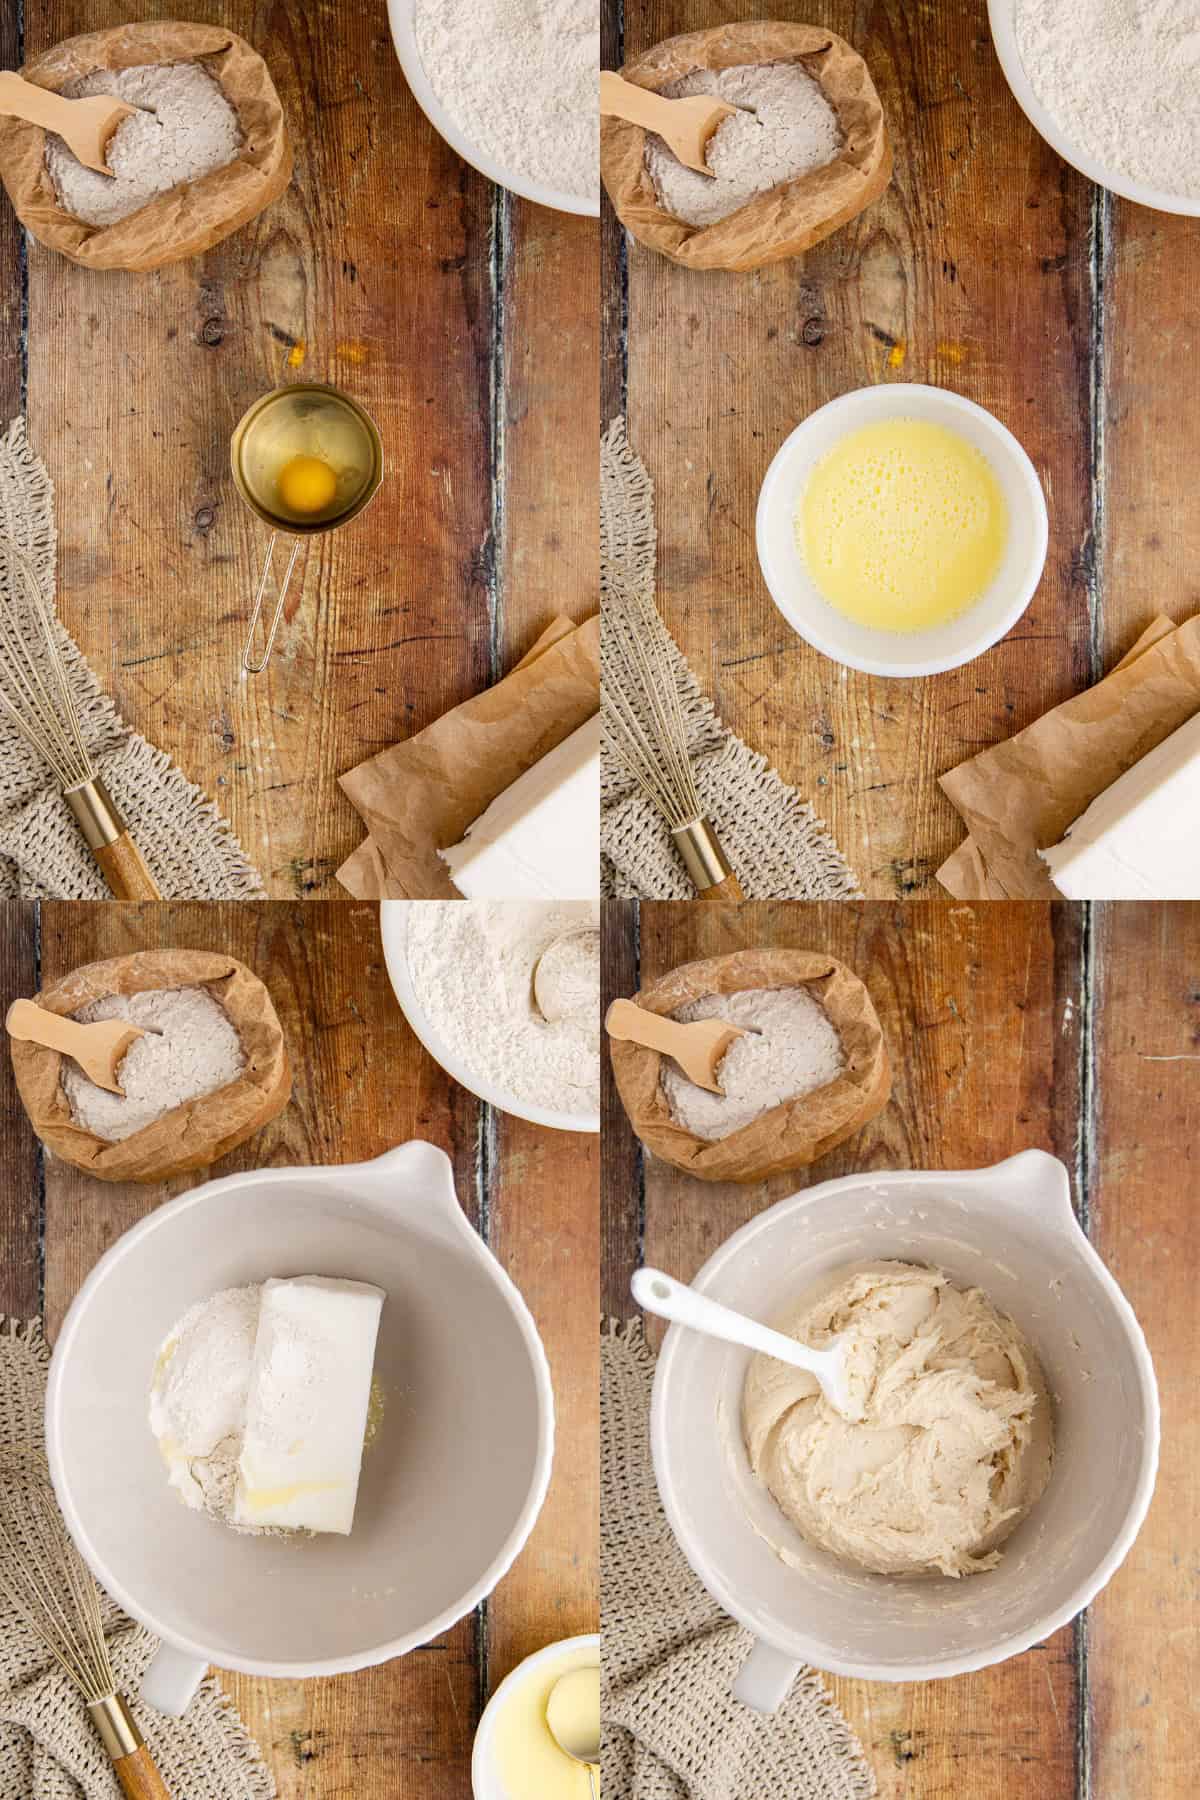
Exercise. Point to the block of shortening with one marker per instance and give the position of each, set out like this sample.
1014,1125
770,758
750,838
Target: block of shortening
1140,838
540,838
307,1404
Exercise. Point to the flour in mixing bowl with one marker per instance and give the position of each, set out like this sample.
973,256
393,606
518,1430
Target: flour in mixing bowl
198,1399
519,77
472,964
1121,78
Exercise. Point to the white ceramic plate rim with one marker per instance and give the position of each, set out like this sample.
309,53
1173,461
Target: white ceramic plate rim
482,1773
393,929
341,1175
402,17
1002,18
904,393
809,1650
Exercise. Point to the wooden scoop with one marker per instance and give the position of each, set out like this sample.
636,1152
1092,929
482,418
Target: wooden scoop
97,1049
84,125
697,1048
684,125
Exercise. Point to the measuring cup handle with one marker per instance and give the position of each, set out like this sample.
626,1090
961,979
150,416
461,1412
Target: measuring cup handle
256,668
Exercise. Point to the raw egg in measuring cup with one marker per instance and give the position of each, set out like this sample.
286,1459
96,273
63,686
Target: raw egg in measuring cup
307,457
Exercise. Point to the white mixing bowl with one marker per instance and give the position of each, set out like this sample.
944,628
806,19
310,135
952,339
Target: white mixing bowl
402,18
450,1489
1009,1230
393,928
898,653
1002,17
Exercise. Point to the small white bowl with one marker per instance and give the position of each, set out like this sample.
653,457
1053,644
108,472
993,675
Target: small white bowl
393,927
1002,16
485,1778
402,17
895,653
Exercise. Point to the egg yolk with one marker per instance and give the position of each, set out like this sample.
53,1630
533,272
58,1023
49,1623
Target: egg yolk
306,484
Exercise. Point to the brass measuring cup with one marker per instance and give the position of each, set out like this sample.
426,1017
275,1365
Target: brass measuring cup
283,525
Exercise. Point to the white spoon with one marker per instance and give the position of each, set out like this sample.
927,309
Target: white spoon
669,1299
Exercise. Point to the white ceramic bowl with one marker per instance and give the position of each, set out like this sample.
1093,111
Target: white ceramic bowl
402,17
891,652
486,1783
1002,15
450,1490
393,926
1009,1230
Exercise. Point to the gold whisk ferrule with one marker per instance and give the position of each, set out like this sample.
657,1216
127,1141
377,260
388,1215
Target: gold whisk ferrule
95,812
703,856
115,1723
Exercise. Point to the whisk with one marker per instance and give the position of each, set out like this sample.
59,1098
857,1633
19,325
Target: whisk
53,1593
643,728
36,695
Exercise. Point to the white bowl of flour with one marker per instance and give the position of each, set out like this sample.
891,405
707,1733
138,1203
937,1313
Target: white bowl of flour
1110,85
463,974
512,89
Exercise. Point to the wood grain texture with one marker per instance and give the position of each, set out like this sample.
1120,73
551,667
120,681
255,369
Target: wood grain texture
982,1008
1142,1644
972,272
362,1084
467,327
21,1191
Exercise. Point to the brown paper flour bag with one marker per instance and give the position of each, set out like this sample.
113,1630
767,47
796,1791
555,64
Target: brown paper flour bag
790,1136
786,220
191,1136
189,219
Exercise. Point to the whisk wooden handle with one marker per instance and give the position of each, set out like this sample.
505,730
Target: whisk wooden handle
729,889
139,1778
125,871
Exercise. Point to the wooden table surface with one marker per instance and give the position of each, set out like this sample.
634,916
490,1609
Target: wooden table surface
465,320
1010,1026
362,1084
990,268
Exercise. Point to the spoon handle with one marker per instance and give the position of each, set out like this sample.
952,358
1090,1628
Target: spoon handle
670,1299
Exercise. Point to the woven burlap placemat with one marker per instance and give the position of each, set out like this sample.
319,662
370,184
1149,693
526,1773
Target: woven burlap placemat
49,1749
773,838
189,846
672,1731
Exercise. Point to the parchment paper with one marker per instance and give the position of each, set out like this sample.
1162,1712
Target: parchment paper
419,797
790,1136
189,219
787,219
191,1136
1019,797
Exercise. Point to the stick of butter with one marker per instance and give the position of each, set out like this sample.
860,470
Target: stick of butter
306,1408
540,838
1138,840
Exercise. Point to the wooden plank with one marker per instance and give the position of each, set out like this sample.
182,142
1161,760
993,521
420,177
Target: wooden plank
974,1003
550,452
375,265
21,1194
1142,1635
362,1084
1150,542
544,1225
12,260
973,273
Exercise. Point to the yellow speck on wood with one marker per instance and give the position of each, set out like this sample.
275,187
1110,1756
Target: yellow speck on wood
897,353
297,353
355,351
954,353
